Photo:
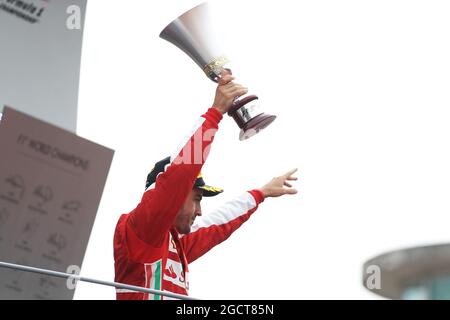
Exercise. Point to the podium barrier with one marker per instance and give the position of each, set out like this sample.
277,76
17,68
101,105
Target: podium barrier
76,277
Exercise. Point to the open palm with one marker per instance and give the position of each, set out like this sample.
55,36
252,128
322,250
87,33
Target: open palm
280,186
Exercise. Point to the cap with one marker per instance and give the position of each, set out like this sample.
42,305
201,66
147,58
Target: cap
161,166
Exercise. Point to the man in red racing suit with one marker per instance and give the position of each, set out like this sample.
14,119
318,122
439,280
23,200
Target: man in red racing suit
155,242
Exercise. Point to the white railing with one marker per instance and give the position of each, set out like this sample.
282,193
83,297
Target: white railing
75,277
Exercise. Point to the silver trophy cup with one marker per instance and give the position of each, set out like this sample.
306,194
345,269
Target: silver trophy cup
193,33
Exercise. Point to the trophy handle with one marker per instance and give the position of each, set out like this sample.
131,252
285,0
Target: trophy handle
218,76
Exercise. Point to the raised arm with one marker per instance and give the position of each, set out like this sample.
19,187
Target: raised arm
216,227
162,201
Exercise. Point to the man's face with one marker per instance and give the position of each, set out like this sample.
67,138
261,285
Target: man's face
189,211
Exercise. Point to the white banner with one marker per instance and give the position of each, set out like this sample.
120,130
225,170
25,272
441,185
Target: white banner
40,53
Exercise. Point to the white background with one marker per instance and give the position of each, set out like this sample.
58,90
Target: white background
360,89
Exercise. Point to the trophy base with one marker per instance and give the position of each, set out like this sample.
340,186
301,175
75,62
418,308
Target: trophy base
255,125
250,119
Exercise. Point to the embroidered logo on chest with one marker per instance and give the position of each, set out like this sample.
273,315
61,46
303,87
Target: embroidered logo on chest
174,273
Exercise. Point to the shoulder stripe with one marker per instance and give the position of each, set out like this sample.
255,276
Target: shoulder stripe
227,212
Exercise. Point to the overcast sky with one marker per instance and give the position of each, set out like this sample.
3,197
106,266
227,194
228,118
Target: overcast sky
360,89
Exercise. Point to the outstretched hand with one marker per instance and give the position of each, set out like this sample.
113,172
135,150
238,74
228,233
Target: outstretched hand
279,186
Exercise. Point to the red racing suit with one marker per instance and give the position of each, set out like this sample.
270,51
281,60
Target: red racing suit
148,251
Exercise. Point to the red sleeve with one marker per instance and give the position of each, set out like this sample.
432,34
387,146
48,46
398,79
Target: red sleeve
153,217
214,228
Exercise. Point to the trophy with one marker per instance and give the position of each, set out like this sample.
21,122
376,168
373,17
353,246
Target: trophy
192,32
